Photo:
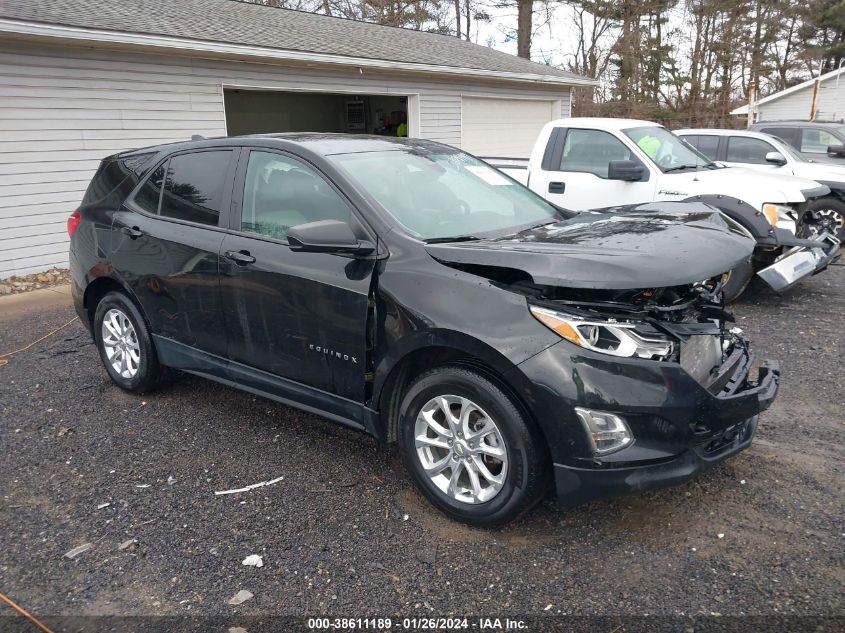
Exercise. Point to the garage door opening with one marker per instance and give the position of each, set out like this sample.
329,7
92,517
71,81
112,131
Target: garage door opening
267,112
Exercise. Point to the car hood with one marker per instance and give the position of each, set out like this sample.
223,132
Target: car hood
752,186
820,171
642,246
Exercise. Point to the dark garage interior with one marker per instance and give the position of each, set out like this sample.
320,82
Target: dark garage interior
263,112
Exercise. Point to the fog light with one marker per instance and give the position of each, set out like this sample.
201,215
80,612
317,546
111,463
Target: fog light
606,432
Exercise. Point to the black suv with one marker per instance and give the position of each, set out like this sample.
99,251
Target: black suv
408,290
820,141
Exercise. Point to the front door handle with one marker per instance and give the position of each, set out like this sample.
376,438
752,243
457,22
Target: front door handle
132,231
557,187
241,258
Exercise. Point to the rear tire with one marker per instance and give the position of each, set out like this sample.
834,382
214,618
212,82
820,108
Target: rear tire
827,214
125,345
738,281
486,464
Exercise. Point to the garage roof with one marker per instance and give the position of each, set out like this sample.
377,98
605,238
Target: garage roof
235,28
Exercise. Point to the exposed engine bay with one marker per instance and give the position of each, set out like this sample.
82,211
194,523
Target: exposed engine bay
683,324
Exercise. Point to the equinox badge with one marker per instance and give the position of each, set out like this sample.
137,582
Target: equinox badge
330,352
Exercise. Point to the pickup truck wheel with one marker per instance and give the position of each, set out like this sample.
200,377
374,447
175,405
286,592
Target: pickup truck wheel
738,280
469,449
827,214
125,345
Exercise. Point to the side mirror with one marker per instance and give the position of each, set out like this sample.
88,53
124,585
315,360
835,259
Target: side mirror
327,236
628,170
775,157
836,150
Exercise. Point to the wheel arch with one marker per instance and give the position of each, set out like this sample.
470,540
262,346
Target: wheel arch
99,288
740,211
837,190
395,374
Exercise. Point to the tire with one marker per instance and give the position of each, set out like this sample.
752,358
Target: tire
826,214
522,467
143,372
738,281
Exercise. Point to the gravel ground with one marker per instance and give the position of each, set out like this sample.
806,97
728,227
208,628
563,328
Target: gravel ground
344,533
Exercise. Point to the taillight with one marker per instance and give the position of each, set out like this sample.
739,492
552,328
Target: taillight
73,223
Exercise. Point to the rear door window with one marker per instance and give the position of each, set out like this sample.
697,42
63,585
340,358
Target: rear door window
791,135
707,144
742,149
194,186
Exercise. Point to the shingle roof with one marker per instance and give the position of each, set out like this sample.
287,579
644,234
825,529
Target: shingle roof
243,23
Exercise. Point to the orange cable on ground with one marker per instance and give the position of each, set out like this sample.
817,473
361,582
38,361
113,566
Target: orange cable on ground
23,349
25,613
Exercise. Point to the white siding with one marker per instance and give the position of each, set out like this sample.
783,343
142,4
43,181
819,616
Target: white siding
830,103
62,109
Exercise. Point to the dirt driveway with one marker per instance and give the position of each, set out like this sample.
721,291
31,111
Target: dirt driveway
344,534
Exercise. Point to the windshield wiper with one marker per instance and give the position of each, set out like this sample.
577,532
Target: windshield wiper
457,238
679,167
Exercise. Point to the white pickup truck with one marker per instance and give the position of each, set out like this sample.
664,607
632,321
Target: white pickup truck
588,163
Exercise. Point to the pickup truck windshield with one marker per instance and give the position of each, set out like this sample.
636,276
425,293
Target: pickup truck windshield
667,151
445,195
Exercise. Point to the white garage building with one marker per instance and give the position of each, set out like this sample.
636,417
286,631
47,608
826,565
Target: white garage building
796,102
82,79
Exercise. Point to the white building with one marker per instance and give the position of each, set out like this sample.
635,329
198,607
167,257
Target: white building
796,103
83,79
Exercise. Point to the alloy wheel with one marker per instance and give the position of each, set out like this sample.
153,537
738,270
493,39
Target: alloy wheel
461,449
830,220
120,342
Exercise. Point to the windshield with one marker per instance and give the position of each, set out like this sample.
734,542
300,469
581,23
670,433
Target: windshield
785,148
667,151
441,194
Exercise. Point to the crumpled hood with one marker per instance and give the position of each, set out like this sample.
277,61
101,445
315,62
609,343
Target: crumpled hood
651,245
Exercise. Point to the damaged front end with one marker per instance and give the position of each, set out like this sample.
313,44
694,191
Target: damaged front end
686,324
650,381
661,385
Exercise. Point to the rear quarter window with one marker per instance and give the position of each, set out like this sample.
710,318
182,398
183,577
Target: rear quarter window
115,178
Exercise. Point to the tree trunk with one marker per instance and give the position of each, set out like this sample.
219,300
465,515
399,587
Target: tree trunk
458,17
525,9
469,11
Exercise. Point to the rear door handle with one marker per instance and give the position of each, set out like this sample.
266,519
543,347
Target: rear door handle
557,187
132,231
241,258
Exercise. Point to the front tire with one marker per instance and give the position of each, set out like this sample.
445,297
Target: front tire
125,345
469,448
827,214
738,281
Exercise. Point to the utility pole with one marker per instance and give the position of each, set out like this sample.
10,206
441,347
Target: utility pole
752,102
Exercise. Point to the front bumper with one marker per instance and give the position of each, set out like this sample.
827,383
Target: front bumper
805,257
680,427
578,485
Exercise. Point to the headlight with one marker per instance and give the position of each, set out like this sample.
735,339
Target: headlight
780,216
607,337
